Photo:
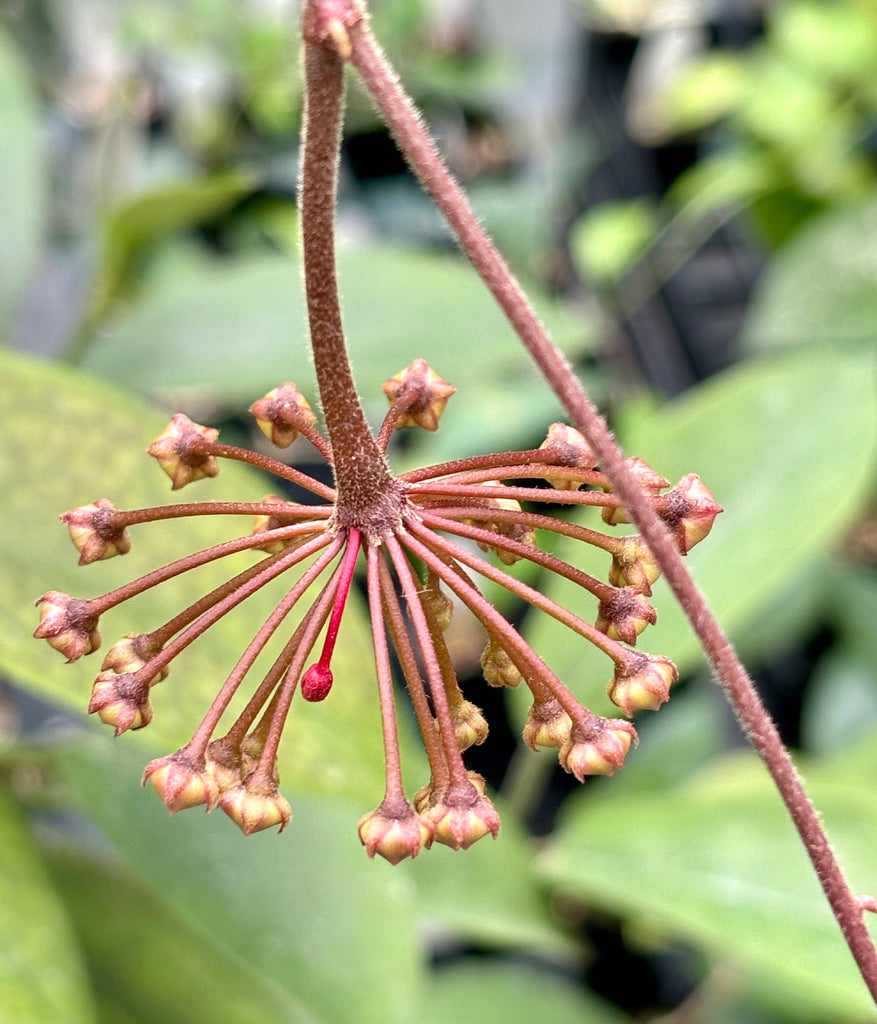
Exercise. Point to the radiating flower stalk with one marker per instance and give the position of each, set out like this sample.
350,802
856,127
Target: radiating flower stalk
417,534
428,552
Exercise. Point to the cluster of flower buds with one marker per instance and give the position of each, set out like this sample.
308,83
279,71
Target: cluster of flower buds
449,512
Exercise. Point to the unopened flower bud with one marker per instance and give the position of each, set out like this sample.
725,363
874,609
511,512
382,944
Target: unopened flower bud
519,532
470,725
120,700
497,665
282,413
253,810
430,391
68,624
690,512
431,794
644,685
572,450
179,450
650,482
462,818
547,725
263,523
599,754
316,682
95,531
634,565
624,615
181,784
132,653
224,764
395,832
441,606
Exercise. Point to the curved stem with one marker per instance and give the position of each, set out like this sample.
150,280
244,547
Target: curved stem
361,472
423,156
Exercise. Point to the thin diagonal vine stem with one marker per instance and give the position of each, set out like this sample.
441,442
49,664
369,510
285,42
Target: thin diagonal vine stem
422,154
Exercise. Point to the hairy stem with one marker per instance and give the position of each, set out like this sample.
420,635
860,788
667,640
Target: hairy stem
423,156
362,476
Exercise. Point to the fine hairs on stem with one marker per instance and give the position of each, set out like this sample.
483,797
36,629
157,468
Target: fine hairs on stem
340,27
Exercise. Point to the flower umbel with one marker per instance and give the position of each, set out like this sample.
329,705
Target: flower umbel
423,545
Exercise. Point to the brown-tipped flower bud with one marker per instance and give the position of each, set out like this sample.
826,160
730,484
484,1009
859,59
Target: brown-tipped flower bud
519,532
262,524
462,818
254,808
282,413
121,700
68,624
625,614
497,665
644,684
634,565
440,605
690,511
95,531
650,482
470,725
547,725
132,653
572,450
431,794
430,395
395,832
179,450
180,783
597,750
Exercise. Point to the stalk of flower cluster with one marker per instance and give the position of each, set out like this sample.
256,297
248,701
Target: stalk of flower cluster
338,29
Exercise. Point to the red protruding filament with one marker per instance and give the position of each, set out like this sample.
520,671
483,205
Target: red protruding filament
317,680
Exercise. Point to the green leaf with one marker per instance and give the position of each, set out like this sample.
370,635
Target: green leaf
71,439
308,913
707,89
489,896
139,223
42,976
147,962
23,195
508,992
838,41
820,288
610,238
240,329
718,863
787,447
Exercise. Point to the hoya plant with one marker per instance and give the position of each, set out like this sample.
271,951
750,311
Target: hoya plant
417,534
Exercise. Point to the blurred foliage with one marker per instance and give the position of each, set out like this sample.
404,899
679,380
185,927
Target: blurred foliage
112,913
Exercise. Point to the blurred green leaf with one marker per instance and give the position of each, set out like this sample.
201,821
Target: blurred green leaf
148,962
23,194
608,239
717,863
840,704
707,89
836,40
490,896
729,178
820,288
787,446
489,991
71,439
307,912
149,217
240,330
42,976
